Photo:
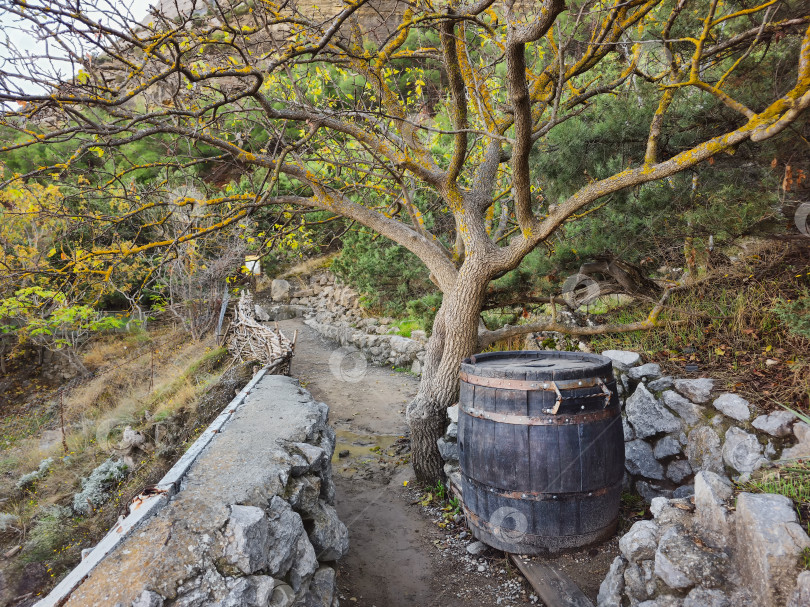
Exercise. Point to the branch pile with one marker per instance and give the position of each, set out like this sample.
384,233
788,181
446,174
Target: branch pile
250,340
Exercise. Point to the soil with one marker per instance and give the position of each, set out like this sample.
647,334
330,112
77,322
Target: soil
405,550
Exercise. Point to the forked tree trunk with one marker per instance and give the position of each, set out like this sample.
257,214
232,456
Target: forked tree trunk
455,337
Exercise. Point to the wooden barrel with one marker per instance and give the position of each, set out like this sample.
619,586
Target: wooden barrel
541,450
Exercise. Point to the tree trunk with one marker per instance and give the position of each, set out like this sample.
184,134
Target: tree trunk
454,338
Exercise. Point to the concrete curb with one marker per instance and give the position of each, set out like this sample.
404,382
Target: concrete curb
146,505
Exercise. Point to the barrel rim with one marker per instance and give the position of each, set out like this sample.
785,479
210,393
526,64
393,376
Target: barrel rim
602,365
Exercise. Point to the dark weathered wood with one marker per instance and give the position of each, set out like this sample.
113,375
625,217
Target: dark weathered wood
553,587
531,484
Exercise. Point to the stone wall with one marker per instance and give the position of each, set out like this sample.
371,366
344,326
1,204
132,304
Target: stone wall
714,550
252,521
333,310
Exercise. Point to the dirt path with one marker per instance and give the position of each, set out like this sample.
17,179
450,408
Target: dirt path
399,556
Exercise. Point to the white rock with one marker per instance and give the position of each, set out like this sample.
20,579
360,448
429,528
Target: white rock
623,359
801,595
476,548
742,450
801,449
706,597
452,413
681,563
772,541
689,412
280,290
610,591
697,390
640,542
733,405
711,493
148,599
776,423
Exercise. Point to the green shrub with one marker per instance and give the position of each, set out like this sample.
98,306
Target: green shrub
386,274
795,314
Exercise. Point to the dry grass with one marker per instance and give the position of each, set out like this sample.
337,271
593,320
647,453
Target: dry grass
729,329
309,266
149,381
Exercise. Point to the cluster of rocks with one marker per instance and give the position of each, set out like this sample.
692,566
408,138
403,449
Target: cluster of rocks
333,310
254,524
711,551
674,428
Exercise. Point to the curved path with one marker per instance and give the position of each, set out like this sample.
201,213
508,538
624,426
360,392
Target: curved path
393,559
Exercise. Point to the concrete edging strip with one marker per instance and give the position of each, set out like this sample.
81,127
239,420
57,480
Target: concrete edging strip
144,507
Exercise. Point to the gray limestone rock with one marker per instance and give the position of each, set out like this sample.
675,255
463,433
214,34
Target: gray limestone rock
321,589
648,371
283,596
663,601
147,598
260,313
706,597
684,491
286,528
681,563
304,563
640,542
448,450
666,447
452,413
649,491
742,450
315,456
251,591
329,535
623,359
711,493
665,383
697,390
703,450
678,471
629,434
689,412
639,460
303,492
452,432
801,595
767,528
610,591
776,424
246,535
280,290
639,581
673,511
734,406
647,415
476,548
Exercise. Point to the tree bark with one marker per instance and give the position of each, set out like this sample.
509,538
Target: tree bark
454,338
